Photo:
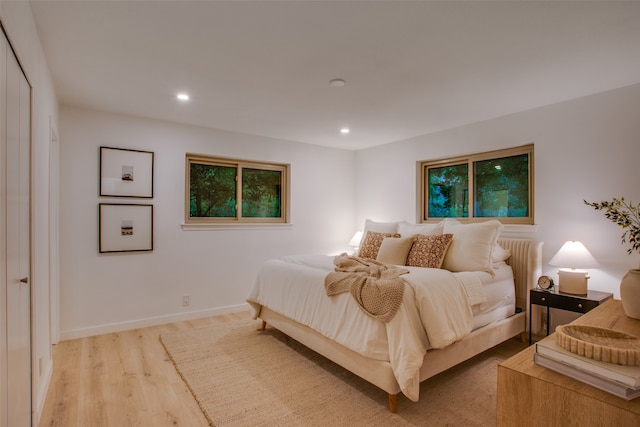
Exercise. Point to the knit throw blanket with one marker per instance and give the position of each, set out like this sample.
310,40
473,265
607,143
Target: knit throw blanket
376,287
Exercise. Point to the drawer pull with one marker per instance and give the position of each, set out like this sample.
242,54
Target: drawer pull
543,299
579,305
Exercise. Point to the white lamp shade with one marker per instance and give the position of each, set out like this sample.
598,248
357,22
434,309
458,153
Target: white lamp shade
355,240
574,255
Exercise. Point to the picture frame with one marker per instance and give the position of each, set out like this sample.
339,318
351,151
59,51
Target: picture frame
125,227
126,173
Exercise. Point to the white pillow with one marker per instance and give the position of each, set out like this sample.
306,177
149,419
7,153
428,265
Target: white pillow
472,245
394,250
406,230
380,227
500,254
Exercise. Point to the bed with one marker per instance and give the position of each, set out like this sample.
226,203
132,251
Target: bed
397,354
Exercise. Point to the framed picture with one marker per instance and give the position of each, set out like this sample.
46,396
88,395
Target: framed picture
126,173
125,227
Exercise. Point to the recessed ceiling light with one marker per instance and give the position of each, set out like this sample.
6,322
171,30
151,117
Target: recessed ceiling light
337,82
183,97
344,131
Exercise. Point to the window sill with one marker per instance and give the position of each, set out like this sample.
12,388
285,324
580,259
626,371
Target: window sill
212,227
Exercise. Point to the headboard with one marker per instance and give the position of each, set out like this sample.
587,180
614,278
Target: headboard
526,262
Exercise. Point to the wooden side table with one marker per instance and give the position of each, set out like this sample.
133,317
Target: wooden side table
575,303
531,395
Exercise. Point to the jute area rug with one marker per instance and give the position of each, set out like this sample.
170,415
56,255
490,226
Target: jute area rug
243,377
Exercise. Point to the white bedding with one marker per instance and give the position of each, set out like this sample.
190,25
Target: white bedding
432,316
501,297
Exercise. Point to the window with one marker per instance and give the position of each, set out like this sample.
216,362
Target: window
221,190
496,184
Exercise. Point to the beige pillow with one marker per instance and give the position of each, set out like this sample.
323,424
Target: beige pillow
472,245
394,250
428,251
371,244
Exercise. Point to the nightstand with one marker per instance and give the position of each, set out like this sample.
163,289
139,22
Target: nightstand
569,302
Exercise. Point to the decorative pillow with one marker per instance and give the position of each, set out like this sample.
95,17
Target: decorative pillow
371,244
472,245
394,250
428,251
407,230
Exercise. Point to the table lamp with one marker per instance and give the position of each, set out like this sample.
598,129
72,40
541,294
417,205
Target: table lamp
574,257
355,241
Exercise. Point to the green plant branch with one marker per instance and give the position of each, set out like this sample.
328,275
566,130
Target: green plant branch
626,215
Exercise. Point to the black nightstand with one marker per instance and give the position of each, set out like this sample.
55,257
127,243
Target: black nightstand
575,303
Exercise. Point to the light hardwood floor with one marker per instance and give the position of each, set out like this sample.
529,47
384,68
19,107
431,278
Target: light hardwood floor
122,379
126,379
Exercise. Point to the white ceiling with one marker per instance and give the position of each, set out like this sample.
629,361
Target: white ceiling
263,67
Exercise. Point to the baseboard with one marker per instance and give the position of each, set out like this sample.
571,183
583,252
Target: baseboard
150,321
41,394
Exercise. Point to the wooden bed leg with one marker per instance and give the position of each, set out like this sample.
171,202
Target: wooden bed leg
524,337
262,326
393,400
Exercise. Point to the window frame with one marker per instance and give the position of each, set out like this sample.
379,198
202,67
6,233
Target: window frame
470,159
239,165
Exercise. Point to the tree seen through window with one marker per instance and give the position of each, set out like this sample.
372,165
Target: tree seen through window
228,190
496,184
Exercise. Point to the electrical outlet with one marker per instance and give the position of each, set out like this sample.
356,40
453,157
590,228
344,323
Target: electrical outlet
185,300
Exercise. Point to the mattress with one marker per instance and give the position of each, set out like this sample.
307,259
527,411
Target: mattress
500,293
340,319
289,286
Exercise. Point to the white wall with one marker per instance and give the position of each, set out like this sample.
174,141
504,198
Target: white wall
18,23
108,292
586,148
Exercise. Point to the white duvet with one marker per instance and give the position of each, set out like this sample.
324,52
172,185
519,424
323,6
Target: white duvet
436,311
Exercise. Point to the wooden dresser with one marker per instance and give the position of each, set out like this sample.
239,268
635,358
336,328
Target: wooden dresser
531,395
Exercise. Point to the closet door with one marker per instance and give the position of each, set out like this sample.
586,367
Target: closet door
16,140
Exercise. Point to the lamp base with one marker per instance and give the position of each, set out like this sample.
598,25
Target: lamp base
573,281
